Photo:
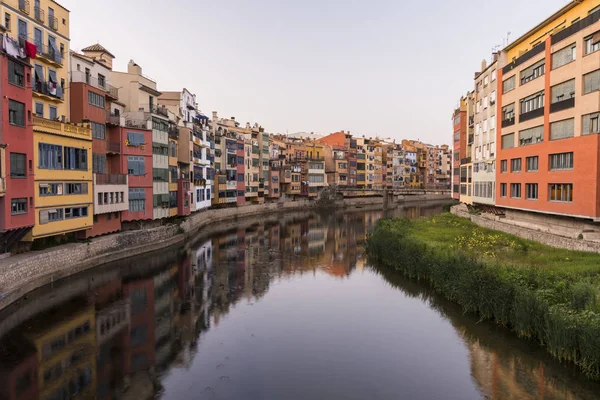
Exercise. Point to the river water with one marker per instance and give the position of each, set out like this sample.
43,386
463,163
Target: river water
281,307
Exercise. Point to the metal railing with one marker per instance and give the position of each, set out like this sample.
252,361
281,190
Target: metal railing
80,76
154,109
49,53
537,49
42,88
113,119
53,22
24,6
111,179
39,14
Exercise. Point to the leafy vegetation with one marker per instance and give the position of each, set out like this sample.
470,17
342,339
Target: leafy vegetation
546,294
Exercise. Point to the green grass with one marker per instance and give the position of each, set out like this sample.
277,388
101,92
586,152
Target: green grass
546,294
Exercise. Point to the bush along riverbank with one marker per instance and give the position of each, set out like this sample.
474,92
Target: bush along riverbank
545,294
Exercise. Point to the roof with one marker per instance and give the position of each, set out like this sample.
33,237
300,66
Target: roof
99,48
520,39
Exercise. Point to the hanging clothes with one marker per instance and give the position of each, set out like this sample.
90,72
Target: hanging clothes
10,46
30,49
59,92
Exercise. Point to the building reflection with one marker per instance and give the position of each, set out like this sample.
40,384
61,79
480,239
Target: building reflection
120,338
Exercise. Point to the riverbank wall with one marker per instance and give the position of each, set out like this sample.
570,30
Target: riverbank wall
552,232
23,273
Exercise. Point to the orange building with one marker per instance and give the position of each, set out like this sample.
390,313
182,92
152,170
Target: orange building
549,110
459,144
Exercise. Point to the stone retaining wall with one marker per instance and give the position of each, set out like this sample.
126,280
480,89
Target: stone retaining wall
23,273
549,239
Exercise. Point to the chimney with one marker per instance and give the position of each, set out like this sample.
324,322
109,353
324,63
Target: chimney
133,68
214,114
495,56
483,65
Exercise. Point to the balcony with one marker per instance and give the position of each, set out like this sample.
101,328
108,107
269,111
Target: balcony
471,121
154,109
562,105
111,179
49,54
113,119
80,76
24,6
537,49
113,147
508,122
42,88
465,160
39,14
531,114
173,132
471,137
53,22
576,27
61,128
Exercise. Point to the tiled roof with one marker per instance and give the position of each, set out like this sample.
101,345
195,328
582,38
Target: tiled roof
98,47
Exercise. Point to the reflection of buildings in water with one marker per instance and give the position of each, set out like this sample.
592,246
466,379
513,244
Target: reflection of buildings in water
112,330
65,342
166,314
18,369
139,345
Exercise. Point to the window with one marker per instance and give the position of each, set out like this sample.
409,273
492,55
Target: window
76,188
49,156
16,73
591,82
508,112
486,81
75,159
532,163
456,136
136,165
173,147
563,91
532,103
533,72
47,216
76,212
99,163
493,74
53,113
508,141
39,110
160,174
515,190
532,191
561,192
22,29
590,124
515,165
101,80
95,99
98,131
531,135
7,21
592,43
562,129
38,37
19,206
561,161
173,172
508,84
564,56
135,139
16,113
17,165
160,149
51,189
503,189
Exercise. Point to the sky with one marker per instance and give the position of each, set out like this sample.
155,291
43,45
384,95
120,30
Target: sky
387,68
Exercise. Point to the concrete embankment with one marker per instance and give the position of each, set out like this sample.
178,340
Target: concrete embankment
23,273
550,237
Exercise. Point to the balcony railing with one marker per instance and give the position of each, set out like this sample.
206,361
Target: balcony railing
113,147
113,119
111,179
53,22
43,88
80,76
49,53
173,132
562,105
576,27
154,109
39,14
531,114
508,122
537,49
465,160
24,6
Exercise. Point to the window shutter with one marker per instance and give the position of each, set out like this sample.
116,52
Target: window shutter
43,217
562,129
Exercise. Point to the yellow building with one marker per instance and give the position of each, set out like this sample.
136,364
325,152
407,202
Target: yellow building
66,351
62,152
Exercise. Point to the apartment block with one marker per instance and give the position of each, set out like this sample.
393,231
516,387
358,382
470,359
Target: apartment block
17,210
459,147
483,120
548,110
229,162
466,163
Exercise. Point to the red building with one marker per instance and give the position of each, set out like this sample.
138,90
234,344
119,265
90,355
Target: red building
91,101
16,152
136,161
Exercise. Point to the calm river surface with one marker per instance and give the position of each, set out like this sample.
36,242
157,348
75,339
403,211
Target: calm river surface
281,307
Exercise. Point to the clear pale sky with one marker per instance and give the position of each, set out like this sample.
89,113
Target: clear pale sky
392,68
